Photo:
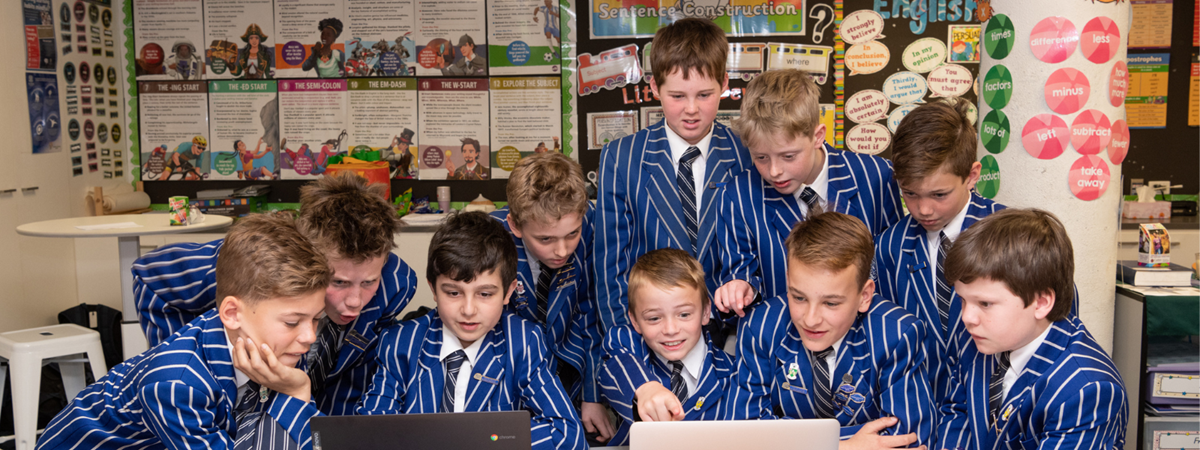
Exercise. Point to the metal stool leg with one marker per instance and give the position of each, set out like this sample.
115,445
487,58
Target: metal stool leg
26,381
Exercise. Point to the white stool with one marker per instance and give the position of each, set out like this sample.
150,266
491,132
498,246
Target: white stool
27,350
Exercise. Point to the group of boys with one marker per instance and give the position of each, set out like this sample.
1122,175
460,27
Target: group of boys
950,327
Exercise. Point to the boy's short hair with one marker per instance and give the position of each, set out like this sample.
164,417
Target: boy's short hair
778,101
1026,249
266,257
934,135
688,44
832,241
345,218
545,187
468,244
667,268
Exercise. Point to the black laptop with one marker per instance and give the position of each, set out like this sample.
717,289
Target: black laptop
491,430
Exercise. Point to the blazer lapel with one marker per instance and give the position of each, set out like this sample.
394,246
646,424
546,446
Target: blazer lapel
215,346
488,372
431,378
524,302
916,261
662,189
784,210
850,396
709,388
843,192
562,289
796,392
978,207
717,167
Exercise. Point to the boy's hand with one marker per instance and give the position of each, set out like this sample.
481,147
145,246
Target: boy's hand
656,403
868,437
259,363
735,295
595,420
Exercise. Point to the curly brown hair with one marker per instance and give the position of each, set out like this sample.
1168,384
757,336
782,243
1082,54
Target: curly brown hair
346,218
265,256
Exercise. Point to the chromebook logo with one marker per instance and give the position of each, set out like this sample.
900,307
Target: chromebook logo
494,437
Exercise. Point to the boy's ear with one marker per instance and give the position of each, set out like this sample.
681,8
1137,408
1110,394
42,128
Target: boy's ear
818,136
725,83
512,225
865,296
634,323
512,287
973,175
1042,304
230,312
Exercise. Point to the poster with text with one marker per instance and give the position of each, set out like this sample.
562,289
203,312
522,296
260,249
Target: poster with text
453,142
309,42
450,38
312,126
166,36
379,38
240,39
525,38
40,51
45,122
243,130
963,42
526,119
383,117
174,130
621,19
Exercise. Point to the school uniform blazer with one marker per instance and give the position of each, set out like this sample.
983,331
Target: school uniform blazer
903,273
177,395
177,283
881,353
513,371
619,386
639,209
1069,396
572,327
756,219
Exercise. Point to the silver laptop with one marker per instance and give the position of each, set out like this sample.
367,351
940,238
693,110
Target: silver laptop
814,434
508,430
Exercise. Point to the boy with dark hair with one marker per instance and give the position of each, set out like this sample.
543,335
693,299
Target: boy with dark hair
798,174
831,348
550,219
353,226
658,186
682,375
469,354
1030,374
201,387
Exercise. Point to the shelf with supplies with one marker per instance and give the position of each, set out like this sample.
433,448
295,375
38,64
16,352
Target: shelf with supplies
1157,351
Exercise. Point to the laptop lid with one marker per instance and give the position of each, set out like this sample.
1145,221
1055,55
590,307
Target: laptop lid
814,434
506,430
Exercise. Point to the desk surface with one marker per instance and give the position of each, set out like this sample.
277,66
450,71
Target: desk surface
148,224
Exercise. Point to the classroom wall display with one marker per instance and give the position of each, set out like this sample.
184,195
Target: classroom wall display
87,81
379,38
623,19
382,115
166,34
239,39
525,120
524,37
41,52
454,142
174,130
45,120
312,126
451,38
309,43
243,130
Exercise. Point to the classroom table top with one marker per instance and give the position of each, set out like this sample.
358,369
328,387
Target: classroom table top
131,225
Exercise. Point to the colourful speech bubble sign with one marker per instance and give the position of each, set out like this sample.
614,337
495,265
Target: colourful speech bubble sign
922,55
868,138
303,165
867,105
1118,83
1090,132
1045,136
1100,40
861,26
950,80
989,177
897,115
1067,90
999,36
1089,177
1053,39
867,58
997,86
903,88
995,131
1118,146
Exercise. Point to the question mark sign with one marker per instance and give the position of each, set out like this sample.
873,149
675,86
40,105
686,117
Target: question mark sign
823,14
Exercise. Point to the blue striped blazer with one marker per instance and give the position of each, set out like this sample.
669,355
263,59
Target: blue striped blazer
619,382
177,283
881,353
1069,396
514,371
639,209
756,219
179,395
572,327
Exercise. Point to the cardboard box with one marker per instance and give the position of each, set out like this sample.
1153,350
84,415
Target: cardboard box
1154,245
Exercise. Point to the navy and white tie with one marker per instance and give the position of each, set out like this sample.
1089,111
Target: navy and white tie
821,383
327,347
453,364
542,293
996,388
943,288
247,413
809,197
678,386
687,192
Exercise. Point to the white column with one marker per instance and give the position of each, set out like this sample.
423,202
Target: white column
1028,181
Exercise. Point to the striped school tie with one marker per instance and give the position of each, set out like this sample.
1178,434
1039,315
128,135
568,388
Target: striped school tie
543,292
247,413
943,288
327,347
678,386
996,388
453,363
687,192
821,384
809,197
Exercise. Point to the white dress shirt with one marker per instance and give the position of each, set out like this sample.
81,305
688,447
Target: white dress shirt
678,147
819,185
451,344
1019,358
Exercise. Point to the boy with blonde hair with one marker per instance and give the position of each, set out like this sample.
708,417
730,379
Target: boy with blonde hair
229,375
681,375
550,220
797,174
